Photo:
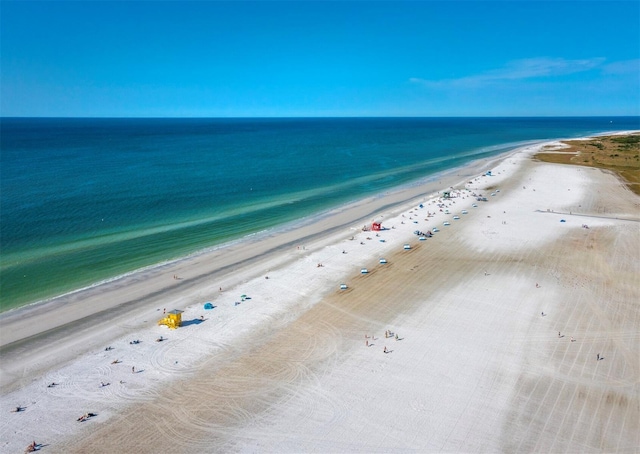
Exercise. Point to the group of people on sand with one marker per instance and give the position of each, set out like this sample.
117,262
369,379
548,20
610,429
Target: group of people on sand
387,334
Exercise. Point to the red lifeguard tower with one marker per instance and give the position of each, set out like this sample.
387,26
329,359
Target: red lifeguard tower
376,226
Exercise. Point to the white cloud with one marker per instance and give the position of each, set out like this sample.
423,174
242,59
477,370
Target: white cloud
518,70
623,67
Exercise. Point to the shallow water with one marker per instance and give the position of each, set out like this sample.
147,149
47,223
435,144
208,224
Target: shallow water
83,200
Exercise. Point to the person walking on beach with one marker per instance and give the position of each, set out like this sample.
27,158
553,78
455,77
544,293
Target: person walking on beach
133,369
598,357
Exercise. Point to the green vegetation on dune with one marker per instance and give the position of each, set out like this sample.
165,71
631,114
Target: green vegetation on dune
619,154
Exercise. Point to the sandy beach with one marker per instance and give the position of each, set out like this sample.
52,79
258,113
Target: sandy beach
512,328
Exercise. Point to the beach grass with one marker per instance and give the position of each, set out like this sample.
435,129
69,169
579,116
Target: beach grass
619,154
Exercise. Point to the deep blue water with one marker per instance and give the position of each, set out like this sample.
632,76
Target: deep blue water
82,200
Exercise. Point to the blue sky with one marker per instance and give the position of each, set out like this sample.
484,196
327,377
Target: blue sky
327,58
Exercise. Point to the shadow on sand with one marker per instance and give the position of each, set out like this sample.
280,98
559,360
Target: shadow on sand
195,321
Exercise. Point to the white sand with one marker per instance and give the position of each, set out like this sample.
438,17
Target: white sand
476,368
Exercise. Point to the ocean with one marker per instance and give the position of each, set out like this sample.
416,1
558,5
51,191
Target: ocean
85,200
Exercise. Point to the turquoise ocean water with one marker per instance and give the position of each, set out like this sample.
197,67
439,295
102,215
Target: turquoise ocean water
84,200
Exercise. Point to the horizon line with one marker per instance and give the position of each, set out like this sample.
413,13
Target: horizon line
3,117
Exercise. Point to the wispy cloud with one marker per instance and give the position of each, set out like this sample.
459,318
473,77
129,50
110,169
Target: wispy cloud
518,70
622,67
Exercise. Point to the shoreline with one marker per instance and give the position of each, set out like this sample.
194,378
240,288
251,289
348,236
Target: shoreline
451,291
23,287
280,229
306,229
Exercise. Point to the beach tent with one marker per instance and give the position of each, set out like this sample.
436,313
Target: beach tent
376,226
208,306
